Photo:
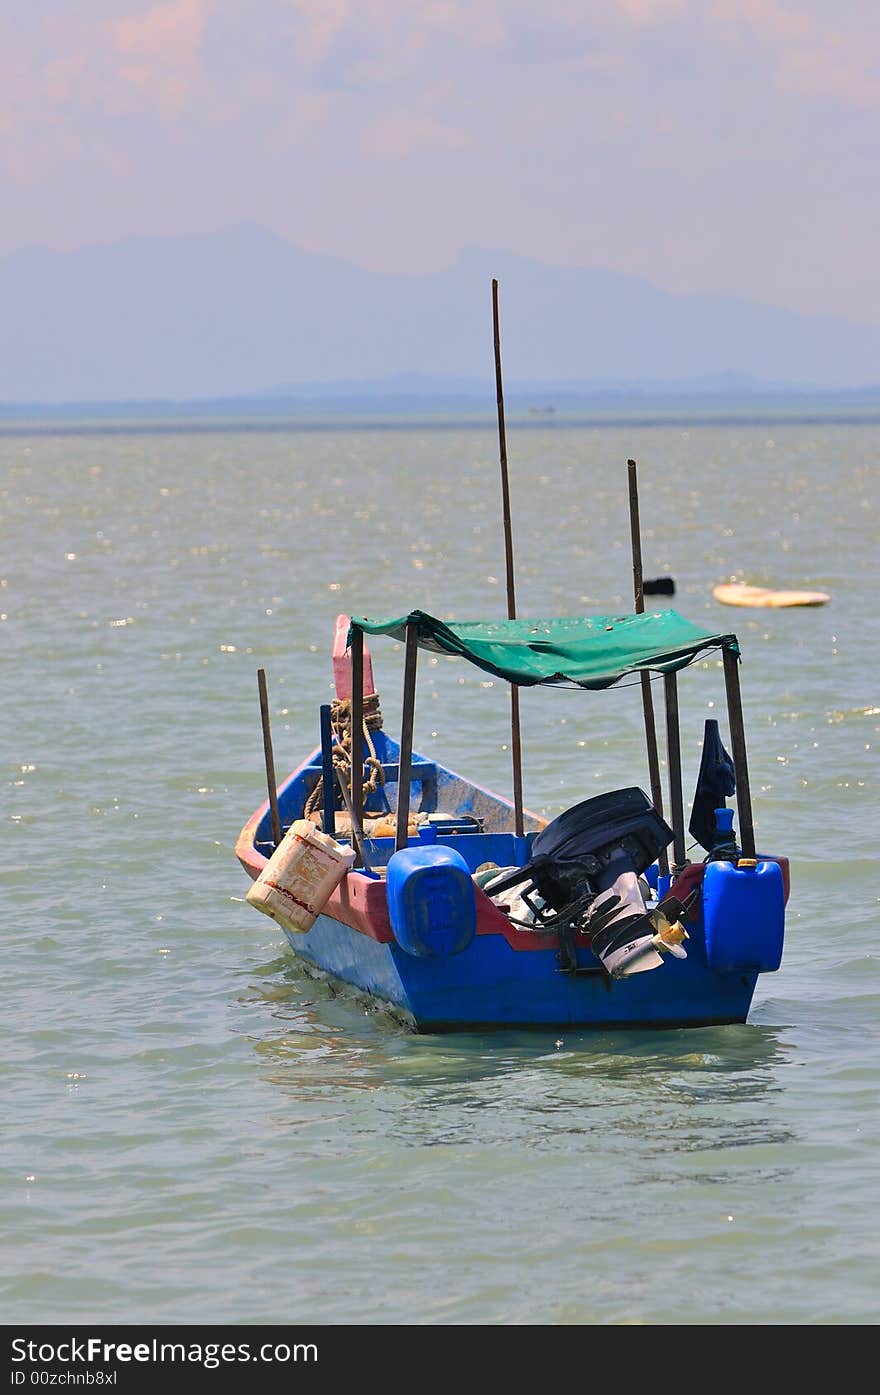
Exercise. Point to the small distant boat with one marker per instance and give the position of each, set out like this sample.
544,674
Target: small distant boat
737,593
453,908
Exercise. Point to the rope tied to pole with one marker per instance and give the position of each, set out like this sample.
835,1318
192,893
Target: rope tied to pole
340,723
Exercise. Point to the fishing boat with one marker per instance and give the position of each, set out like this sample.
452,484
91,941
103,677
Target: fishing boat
455,908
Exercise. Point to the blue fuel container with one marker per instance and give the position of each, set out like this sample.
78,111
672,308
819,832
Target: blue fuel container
744,916
724,847
431,901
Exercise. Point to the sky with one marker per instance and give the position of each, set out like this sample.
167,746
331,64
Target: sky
710,146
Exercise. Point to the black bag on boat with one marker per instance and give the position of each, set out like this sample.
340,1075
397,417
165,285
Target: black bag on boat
569,855
592,856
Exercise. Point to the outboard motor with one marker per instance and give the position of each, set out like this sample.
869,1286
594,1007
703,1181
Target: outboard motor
622,934
585,866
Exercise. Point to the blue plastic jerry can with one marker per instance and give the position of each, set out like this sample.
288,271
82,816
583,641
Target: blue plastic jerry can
431,901
744,915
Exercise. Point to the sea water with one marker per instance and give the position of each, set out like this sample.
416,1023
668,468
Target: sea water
194,1131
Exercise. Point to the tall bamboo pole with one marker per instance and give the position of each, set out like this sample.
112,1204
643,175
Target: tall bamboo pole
647,699
508,558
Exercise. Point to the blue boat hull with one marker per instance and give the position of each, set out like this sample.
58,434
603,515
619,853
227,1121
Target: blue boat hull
420,940
492,985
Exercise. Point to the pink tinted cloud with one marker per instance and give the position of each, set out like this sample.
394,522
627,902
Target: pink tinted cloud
397,134
158,51
644,12
168,33
392,35
825,55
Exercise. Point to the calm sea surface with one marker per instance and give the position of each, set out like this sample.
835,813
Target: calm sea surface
194,1131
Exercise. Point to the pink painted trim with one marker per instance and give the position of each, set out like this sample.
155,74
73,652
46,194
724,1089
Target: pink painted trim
360,902
342,662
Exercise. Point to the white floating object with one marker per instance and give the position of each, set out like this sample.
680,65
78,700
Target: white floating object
737,593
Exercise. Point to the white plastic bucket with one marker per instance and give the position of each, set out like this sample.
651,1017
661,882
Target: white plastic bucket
296,882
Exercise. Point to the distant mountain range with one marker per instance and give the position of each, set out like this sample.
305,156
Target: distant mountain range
244,314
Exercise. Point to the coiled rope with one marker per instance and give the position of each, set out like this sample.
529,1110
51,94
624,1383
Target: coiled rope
340,727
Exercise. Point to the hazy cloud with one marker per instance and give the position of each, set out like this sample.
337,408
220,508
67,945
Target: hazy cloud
706,144
825,54
158,51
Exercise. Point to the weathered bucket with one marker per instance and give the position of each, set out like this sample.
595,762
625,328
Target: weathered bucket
299,877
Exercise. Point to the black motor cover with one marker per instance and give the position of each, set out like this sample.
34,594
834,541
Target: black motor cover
575,847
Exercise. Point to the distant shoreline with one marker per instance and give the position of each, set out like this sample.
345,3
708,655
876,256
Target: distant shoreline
401,412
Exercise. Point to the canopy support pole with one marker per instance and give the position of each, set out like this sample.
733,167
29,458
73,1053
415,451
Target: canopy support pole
404,775
647,699
673,755
357,729
515,746
740,764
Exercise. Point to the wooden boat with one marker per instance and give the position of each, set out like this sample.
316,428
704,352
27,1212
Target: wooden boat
454,908
457,909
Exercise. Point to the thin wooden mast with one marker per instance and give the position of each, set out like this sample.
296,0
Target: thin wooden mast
647,699
270,759
516,748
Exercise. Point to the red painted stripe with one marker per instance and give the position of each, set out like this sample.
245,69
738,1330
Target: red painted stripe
285,891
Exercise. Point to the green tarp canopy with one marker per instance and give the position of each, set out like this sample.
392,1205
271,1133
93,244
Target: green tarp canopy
589,651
